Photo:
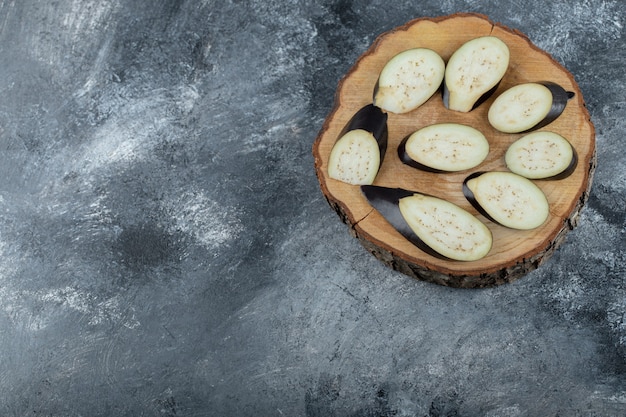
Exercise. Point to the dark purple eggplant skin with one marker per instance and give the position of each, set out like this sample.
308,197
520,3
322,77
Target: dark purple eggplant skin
376,86
445,95
385,200
469,195
407,160
373,120
560,97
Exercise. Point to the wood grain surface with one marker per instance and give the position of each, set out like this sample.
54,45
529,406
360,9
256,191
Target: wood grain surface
514,252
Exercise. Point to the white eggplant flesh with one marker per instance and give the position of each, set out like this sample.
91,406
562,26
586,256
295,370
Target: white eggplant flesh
473,71
408,80
508,199
444,147
446,228
435,226
355,158
520,108
541,155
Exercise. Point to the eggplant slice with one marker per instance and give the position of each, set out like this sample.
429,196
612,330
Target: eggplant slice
542,155
408,80
359,151
436,226
444,147
507,199
528,106
474,72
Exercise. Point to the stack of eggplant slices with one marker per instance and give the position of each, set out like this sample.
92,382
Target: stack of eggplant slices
510,199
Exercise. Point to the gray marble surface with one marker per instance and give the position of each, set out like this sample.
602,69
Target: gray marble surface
165,249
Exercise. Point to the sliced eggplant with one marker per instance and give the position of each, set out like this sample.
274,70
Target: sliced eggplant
473,72
436,226
541,155
528,106
358,153
507,199
444,147
408,80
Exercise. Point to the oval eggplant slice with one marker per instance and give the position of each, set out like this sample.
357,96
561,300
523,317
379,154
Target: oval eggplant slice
541,155
360,149
355,158
507,199
436,226
473,72
528,106
444,147
408,80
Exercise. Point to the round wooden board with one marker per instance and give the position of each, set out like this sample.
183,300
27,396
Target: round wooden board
514,252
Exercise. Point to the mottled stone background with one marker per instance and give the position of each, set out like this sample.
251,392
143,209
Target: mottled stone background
165,249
